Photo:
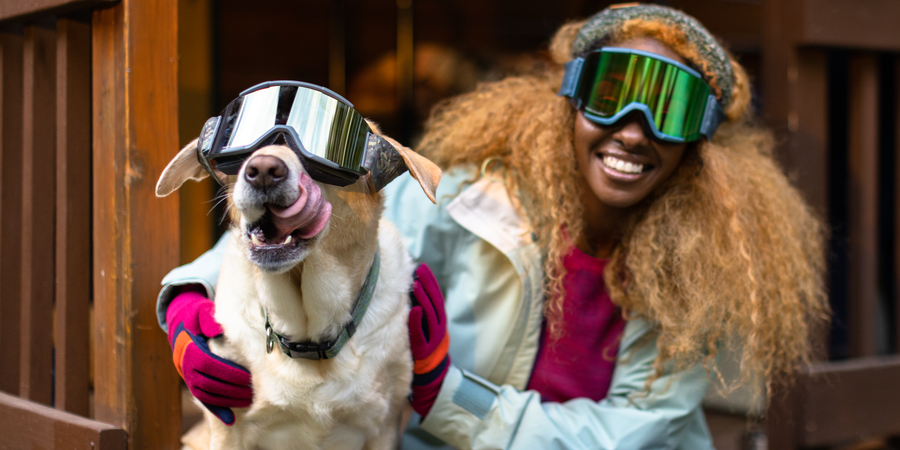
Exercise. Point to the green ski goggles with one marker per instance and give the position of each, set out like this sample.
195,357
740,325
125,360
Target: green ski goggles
608,84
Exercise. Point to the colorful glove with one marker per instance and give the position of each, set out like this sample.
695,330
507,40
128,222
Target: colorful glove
428,340
218,383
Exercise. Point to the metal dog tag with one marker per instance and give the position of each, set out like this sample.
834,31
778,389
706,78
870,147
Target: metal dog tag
270,340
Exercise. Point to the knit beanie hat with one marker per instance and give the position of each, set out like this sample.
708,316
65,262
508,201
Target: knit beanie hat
709,57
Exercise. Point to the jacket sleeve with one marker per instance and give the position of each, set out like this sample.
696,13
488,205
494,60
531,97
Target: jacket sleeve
472,413
203,270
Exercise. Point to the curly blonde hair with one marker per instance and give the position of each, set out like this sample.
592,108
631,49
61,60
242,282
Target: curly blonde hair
726,250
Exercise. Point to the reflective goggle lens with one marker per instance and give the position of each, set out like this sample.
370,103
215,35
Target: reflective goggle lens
327,130
612,82
326,127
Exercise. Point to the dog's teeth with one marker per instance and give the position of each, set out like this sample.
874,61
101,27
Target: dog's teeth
255,240
287,240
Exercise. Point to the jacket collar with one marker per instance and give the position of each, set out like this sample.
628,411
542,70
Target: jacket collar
485,209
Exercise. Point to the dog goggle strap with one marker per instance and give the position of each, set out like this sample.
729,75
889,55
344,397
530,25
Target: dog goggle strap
612,82
333,140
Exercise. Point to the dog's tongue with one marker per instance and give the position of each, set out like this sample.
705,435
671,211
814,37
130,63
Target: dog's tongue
309,214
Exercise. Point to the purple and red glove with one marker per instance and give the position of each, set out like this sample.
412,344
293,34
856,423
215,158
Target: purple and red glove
218,383
428,340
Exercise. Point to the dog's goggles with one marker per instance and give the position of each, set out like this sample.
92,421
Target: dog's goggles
608,84
333,141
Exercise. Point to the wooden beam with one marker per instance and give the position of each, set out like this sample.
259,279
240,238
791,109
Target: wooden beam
896,249
337,46
195,94
26,425
11,211
38,213
73,203
863,165
23,9
135,235
868,25
807,149
848,400
783,419
795,86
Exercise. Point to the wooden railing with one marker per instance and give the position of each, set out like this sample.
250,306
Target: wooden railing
825,65
44,182
88,109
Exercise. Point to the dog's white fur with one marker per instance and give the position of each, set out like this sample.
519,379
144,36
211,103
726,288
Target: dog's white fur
354,400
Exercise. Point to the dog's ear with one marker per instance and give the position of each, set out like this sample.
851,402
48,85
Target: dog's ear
184,167
427,173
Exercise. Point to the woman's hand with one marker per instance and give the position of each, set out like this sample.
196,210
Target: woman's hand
428,339
218,383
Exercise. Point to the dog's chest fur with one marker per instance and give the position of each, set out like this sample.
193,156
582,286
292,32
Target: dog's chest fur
345,402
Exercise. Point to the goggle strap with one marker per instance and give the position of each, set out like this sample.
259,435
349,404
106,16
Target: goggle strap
205,143
569,86
713,116
383,161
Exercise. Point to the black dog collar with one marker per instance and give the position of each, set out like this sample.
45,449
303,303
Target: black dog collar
328,349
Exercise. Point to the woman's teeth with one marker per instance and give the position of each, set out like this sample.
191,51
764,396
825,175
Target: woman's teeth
622,166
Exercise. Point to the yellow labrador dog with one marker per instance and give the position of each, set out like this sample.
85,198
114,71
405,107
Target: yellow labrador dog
302,258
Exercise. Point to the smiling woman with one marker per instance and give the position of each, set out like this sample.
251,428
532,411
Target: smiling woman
706,239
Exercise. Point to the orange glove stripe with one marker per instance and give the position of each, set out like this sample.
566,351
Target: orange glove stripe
434,359
181,343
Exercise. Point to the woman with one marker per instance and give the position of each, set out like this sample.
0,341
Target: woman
598,250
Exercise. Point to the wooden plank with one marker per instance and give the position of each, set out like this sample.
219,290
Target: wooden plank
405,69
783,419
869,25
20,9
896,279
73,219
11,211
38,213
135,235
195,94
337,47
26,425
795,85
850,400
806,152
807,149
863,169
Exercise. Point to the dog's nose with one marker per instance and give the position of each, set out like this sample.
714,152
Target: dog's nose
265,171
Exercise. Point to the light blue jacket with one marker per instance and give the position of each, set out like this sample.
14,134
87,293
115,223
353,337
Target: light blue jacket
484,258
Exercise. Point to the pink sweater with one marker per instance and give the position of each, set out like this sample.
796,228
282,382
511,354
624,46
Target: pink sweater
581,362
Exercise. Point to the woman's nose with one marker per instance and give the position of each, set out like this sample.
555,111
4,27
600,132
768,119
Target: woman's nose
631,132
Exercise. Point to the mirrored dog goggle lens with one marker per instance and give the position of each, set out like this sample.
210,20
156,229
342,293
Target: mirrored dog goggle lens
325,127
676,98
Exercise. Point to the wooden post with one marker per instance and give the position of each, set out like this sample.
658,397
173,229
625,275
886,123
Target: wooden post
38,213
784,417
863,165
135,234
795,85
11,213
337,47
195,93
896,249
73,222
